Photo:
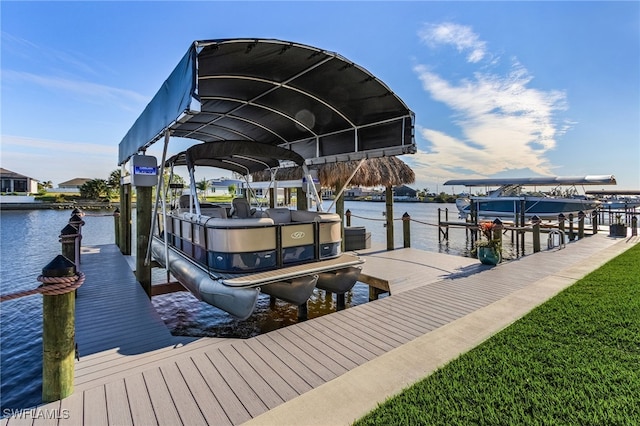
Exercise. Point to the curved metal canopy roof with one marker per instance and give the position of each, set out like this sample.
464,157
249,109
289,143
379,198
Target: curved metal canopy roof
314,102
243,157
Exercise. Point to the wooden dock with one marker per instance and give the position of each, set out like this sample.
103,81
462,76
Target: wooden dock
132,371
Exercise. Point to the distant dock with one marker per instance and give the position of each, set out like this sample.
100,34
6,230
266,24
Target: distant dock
326,370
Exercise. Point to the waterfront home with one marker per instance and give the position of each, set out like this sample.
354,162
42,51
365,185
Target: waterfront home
15,182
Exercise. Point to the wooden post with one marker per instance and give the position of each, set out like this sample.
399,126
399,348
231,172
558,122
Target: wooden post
347,214
272,198
634,226
303,312
406,230
571,233
58,335
340,301
535,220
594,221
301,199
143,225
340,212
125,219
580,225
389,215
561,219
116,225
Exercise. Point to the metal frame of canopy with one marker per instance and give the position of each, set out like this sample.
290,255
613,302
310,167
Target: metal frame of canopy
311,101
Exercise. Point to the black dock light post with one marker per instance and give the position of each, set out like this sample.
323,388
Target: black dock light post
58,332
116,225
347,214
581,224
77,222
535,221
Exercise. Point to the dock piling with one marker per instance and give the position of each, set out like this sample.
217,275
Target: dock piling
535,220
594,221
580,225
58,334
143,224
406,229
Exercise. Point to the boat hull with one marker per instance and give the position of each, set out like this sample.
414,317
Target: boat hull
339,281
239,302
543,207
296,291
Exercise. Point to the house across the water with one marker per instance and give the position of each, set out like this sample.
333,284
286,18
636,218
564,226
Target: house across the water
15,182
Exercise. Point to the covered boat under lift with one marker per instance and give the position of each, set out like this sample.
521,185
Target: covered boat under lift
509,200
257,104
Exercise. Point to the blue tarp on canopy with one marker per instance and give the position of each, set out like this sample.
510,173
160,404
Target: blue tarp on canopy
174,97
314,102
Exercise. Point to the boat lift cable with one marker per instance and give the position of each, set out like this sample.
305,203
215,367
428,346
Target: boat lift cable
159,190
311,186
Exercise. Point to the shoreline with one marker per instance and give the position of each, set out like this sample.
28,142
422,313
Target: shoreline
60,206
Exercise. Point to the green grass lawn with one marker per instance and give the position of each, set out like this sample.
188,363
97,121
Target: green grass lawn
575,360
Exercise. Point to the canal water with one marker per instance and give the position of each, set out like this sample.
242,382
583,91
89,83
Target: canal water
29,240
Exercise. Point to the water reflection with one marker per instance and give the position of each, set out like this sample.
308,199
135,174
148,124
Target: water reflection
185,315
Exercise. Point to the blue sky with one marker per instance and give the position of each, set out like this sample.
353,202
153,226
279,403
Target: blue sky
499,89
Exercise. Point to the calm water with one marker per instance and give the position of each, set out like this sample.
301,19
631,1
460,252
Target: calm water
29,240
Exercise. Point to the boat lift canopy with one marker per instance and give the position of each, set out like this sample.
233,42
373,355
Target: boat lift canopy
243,157
314,102
540,180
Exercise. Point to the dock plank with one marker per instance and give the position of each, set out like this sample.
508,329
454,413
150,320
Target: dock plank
161,401
227,398
118,411
185,404
203,395
140,401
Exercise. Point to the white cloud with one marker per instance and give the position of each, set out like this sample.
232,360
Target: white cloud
503,123
460,36
92,92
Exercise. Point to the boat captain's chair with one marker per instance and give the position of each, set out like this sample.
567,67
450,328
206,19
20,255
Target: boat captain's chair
183,201
240,208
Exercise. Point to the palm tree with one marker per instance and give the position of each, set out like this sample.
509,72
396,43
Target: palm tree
203,186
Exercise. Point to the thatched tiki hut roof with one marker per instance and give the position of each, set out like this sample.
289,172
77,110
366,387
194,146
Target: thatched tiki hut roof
387,171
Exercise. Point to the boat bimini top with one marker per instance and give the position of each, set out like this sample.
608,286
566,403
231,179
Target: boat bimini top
539,180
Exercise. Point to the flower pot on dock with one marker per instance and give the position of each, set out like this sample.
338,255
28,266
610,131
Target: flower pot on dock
489,255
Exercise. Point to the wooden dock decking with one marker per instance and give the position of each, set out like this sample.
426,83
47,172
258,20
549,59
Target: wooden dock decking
132,371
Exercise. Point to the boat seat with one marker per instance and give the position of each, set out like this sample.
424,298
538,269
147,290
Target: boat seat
311,216
217,212
279,215
240,208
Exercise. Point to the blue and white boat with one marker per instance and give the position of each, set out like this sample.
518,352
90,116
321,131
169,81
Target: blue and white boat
508,200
